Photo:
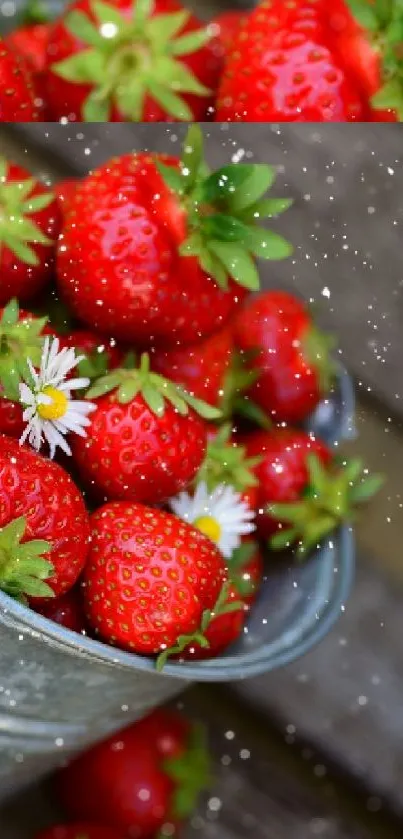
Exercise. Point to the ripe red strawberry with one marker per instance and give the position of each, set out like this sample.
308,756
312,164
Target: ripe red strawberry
367,37
66,610
82,830
40,507
145,779
28,232
64,191
30,41
19,100
20,336
289,353
245,569
228,24
146,439
304,491
101,355
129,61
201,368
152,581
283,68
166,252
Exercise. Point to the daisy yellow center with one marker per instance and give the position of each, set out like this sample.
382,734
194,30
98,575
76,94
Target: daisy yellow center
56,408
209,526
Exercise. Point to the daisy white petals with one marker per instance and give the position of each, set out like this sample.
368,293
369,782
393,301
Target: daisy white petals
50,388
224,506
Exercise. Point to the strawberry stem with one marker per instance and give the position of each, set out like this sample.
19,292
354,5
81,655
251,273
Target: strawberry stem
222,607
223,209
226,463
17,231
126,60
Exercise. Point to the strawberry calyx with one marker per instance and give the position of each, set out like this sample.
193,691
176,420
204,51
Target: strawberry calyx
129,59
23,570
17,230
19,340
316,348
34,11
96,363
226,463
156,390
330,498
238,565
223,209
382,21
190,772
235,399
223,606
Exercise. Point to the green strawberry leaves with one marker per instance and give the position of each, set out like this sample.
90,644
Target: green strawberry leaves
23,570
226,463
154,389
330,498
17,231
223,606
237,568
126,60
317,347
19,340
383,21
191,773
223,211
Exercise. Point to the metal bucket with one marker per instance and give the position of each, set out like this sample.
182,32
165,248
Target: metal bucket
60,691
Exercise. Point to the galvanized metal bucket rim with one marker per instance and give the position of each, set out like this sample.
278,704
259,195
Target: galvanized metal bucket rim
224,668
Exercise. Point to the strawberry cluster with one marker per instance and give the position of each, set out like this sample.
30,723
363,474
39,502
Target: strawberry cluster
153,61
151,407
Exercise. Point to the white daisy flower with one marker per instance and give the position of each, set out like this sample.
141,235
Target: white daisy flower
50,412
221,514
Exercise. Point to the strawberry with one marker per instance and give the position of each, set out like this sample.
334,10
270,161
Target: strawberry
282,68
153,583
289,354
82,830
28,231
100,355
18,95
166,250
31,42
367,36
245,570
20,337
42,514
201,368
227,24
304,491
64,192
126,60
146,440
66,610
226,463
145,779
